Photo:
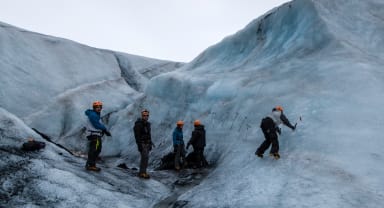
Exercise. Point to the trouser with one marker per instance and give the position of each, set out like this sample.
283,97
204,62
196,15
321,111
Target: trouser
270,138
94,150
201,161
145,148
179,154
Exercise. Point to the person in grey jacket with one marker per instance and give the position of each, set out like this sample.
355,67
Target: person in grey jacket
270,127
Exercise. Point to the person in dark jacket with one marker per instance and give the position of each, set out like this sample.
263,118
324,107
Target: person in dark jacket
178,145
142,131
95,131
270,127
198,143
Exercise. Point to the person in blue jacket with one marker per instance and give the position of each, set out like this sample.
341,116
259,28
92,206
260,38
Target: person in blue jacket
95,130
178,144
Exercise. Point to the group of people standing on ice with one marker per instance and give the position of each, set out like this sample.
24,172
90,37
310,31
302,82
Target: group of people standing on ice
197,141
142,132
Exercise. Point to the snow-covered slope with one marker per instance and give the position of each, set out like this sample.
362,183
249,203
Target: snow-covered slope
54,178
49,81
319,59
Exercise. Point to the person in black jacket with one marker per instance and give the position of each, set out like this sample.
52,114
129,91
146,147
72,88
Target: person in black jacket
270,127
142,131
198,143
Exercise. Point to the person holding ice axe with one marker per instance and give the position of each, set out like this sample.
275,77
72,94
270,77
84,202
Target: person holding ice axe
270,127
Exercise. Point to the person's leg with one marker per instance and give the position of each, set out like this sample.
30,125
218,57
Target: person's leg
265,145
91,161
144,158
204,161
98,147
200,156
275,143
177,157
183,155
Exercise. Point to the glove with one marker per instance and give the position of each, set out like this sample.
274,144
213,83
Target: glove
106,132
278,130
188,145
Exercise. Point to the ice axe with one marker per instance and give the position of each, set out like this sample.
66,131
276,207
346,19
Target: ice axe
297,121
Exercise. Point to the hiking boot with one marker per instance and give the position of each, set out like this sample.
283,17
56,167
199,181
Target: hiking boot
258,154
93,168
144,175
276,156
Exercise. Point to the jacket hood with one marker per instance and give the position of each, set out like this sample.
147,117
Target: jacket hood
87,112
90,111
200,127
140,120
178,128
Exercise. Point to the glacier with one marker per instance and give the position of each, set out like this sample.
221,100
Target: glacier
321,60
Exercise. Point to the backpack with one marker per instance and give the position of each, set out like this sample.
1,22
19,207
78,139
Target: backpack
267,123
32,145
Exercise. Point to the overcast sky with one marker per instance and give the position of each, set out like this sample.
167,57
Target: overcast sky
176,30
